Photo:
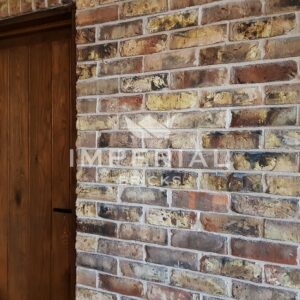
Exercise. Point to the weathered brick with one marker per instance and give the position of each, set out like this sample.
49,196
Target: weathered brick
230,11
119,140
283,185
97,262
86,209
143,233
200,241
173,21
171,179
122,66
119,213
176,4
280,276
171,101
230,267
242,290
86,139
142,46
279,162
236,97
282,48
120,31
170,218
198,37
85,35
121,285
85,294
282,230
86,277
264,251
143,195
85,106
172,258
97,122
121,104
120,176
97,15
262,28
97,52
170,60
282,94
200,201
86,71
230,54
142,7
98,227
86,174
91,3
97,87
234,182
144,271
198,282
264,206
86,243
146,83
120,248
198,78
275,6
282,71
287,139
103,193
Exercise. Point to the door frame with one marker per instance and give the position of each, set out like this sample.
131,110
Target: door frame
39,21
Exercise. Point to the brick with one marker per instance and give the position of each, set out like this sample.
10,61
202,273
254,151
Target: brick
231,11
122,66
279,162
170,60
198,282
120,176
203,119
85,174
232,224
143,233
121,285
86,277
262,28
232,140
198,37
121,104
97,15
230,54
121,31
4,9
176,4
157,292
231,267
234,182
86,71
97,87
264,206
85,35
86,243
264,251
283,276
103,193
147,196
171,179
142,46
171,101
86,209
119,140
264,117
287,139
234,97
282,230
242,290
282,94
85,106
97,262
275,6
98,227
172,258
119,213
282,48
86,139
198,78
141,84
97,122
200,201
170,218
97,52
283,185
144,271
85,294
173,21
142,7
120,248
200,241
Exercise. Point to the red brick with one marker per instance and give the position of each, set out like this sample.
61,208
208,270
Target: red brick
282,48
121,104
122,66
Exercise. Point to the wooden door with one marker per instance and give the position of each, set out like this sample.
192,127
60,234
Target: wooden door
36,219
